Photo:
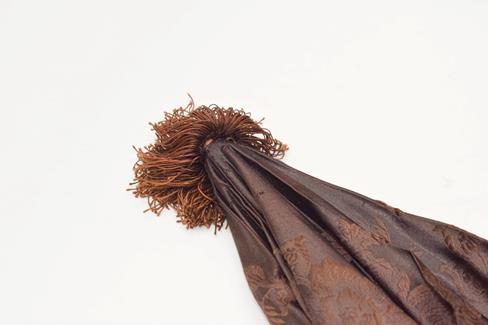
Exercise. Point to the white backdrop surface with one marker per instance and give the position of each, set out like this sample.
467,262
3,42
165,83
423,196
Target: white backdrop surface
386,98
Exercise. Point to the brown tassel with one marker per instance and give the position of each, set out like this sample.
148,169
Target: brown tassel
170,172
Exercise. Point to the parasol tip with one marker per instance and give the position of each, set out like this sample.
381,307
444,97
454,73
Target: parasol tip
170,172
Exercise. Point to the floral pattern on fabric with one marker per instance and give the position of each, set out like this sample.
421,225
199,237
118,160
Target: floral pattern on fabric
343,294
393,278
272,294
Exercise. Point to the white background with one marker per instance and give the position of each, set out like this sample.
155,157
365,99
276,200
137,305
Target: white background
387,98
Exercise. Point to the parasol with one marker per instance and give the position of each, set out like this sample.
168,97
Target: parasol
312,252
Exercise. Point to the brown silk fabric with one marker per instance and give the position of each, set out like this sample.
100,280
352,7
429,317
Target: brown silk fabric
316,253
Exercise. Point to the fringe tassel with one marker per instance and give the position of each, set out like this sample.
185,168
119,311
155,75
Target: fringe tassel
170,172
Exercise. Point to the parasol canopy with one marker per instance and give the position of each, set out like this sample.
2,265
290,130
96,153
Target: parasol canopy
312,252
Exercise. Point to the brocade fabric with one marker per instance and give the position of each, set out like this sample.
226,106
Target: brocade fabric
316,253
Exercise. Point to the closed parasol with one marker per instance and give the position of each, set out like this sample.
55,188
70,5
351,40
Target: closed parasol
312,252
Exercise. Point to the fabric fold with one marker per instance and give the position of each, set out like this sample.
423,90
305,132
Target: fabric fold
316,253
